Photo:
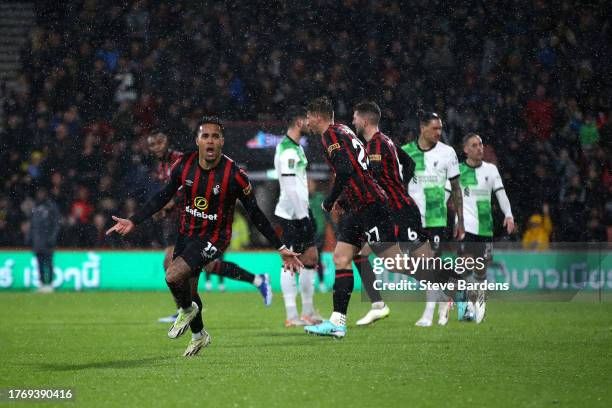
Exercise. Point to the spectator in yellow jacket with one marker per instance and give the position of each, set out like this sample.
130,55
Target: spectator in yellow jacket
539,227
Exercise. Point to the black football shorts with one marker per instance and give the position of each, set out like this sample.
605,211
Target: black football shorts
410,232
476,246
299,235
196,252
372,225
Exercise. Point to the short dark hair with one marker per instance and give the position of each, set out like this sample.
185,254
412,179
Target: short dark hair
370,109
293,113
322,106
155,132
426,116
470,135
211,120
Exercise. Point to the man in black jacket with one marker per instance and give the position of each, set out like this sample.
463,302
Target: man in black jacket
45,227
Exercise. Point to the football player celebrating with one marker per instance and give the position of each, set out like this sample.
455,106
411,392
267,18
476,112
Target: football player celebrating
211,184
367,214
159,147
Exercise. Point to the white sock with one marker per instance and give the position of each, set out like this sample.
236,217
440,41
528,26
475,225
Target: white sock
338,319
428,313
442,299
378,305
307,290
430,306
197,336
258,280
289,289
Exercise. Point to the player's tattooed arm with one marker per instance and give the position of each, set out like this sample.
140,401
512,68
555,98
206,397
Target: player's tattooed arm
458,203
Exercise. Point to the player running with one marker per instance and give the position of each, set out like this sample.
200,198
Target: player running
211,183
479,180
367,213
390,166
435,162
159,147
296,220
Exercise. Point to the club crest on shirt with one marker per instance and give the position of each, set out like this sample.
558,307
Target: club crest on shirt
247,189
291,163
216,189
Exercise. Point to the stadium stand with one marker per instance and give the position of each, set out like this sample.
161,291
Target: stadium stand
534,81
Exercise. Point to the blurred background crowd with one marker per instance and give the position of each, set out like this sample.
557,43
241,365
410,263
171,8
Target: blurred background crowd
533,78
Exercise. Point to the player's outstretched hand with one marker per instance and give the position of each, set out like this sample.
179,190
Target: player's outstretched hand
123,226
509,224
290,260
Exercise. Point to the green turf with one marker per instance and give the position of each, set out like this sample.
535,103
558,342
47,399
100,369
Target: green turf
108,348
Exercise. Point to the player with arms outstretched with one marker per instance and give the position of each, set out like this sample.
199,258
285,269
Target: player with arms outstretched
159,147
211,184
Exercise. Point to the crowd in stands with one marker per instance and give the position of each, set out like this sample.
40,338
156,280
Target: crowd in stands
533,78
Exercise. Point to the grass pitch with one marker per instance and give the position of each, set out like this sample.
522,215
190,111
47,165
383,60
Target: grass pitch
109,349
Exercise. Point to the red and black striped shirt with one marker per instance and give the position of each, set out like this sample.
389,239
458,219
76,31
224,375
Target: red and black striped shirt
386,169
209,199
163,172
164,166
348,159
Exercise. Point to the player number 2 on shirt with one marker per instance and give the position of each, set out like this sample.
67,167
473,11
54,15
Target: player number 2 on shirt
362,158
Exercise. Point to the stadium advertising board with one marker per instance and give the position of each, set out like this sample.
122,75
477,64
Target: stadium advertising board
141,270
